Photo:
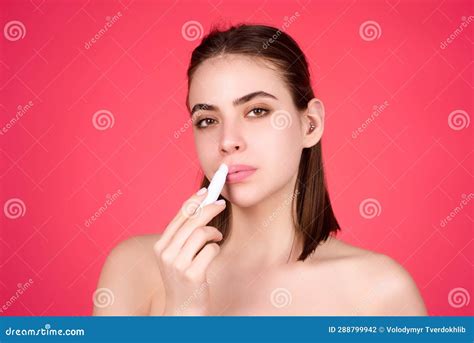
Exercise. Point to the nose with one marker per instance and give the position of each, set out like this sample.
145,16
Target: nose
231,140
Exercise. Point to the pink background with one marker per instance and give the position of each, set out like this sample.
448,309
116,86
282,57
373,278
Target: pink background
412,159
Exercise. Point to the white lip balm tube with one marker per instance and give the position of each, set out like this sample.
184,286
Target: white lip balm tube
216,185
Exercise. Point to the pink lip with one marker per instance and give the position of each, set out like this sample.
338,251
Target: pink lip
239,172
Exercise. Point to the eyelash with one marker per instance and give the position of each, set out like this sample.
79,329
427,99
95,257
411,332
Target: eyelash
198,123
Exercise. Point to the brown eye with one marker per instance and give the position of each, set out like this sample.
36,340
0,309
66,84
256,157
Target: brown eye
258,112
203,123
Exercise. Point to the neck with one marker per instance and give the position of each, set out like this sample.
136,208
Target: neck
264,234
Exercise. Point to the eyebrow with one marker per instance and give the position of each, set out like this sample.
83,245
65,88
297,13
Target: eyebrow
236,102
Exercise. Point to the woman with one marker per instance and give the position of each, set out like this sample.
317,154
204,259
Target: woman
268,246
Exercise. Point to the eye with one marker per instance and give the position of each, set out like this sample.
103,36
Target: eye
259,111
203,123
256,112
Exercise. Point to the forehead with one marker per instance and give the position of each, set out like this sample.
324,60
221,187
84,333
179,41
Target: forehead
223,79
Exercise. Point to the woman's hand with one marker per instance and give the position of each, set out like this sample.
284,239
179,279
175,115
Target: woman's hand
184,251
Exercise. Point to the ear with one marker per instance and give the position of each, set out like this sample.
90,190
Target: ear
313,123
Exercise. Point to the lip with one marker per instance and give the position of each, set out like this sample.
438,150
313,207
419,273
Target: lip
239,172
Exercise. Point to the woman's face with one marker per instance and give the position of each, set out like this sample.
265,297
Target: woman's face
264,131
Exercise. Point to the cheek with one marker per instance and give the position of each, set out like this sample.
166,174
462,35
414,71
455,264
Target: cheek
205,150
281,148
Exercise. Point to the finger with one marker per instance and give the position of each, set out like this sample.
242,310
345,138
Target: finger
186,212
204,258
201,218
196,241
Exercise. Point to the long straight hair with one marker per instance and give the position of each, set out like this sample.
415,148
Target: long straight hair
312,213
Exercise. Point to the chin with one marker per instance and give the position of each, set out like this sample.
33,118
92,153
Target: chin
243,194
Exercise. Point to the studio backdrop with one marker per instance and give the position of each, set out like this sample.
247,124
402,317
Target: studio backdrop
96,144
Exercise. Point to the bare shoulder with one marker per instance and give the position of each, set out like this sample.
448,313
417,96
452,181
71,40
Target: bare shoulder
392,288
135,246
129,278
381,284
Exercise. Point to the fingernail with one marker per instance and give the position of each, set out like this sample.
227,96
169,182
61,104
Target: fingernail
202,191
220,202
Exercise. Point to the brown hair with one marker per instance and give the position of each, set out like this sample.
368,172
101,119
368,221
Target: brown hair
312,213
